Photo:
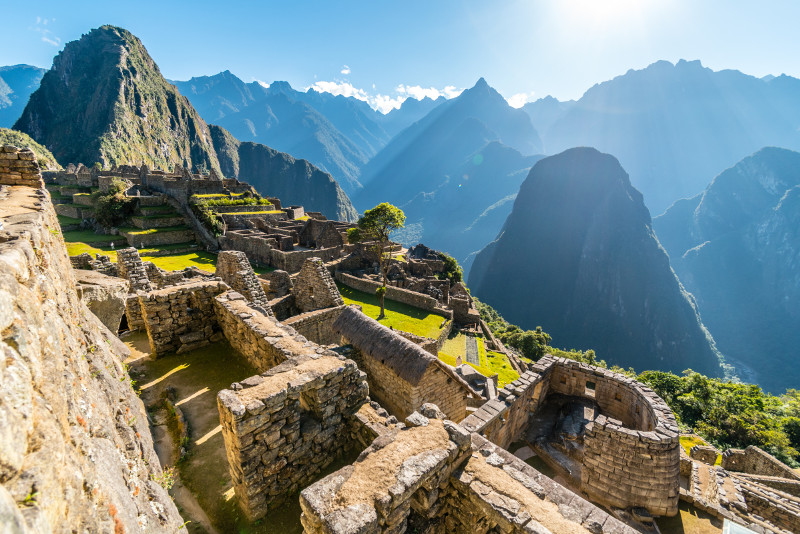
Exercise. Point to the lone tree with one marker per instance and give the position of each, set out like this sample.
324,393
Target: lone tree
374,228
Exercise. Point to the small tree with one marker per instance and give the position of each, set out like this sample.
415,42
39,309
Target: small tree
375,227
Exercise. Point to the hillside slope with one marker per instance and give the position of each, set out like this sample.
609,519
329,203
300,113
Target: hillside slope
578,256
295,182
736,247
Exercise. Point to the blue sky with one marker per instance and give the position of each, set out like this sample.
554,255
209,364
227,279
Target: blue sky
385,51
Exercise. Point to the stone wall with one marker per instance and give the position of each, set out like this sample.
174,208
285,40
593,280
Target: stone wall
317,326
19,167
261,339
706,454
283,427
314,287
757,462
631,452
181,318
405,296
235,270
76,453
435,477
292,261
131,267
402,376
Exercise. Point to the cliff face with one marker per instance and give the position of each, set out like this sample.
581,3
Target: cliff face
105,100
578,256
736,247
273,173
76,453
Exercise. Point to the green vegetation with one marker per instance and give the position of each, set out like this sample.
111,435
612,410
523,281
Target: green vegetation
176,262
251,201
149,231
217,195
726,414
530,343
376,226
112,208
491,362
47,162
63,220
208,218
687,442
248,212
452,270
88,236
397,315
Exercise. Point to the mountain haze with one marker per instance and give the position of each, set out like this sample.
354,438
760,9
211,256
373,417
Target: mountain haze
17,82
295,182
577,255
673,126
464,159
736,247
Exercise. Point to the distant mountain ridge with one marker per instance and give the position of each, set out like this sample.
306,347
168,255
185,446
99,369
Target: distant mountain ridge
17,82
673,126
736,247
106,101
577,255
464,159
337,133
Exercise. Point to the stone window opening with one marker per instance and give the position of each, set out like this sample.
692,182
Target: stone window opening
590,388
563,380
617,397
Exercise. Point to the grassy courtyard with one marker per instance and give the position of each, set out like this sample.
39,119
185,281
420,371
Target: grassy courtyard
491,362
398,315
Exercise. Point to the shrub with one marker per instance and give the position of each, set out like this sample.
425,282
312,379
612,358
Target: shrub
112,208
210,220
452,270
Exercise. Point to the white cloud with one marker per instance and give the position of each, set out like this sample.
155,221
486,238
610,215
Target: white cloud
345,70
520,99
46,35
381,102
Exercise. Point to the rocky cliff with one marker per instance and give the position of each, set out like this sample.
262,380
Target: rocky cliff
273,173
76,453
105,100
736,247
578,256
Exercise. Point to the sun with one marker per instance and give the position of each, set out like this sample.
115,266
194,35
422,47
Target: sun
587,15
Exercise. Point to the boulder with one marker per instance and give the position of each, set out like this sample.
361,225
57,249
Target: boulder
104,295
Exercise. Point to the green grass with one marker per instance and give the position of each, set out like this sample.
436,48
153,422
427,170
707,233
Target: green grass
63,220
171,215
139,231
247,212
398,315
498,363
177,262
87,236
687,442
76,249
217,195
491,362
81,195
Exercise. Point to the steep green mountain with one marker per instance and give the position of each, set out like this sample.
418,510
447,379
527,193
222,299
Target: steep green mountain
673,126
736,247
295,182
454,169
577,255
12,137
17,82
105,100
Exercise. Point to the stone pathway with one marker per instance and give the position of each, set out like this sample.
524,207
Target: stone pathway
472,351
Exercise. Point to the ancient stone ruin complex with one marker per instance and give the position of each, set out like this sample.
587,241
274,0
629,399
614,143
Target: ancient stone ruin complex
433,451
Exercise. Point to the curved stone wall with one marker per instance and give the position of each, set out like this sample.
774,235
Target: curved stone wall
632,451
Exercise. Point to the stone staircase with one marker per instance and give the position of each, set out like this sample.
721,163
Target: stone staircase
742,500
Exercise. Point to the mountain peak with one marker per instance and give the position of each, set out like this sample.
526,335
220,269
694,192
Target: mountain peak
481,84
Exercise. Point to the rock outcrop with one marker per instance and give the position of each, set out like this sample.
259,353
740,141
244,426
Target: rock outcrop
578,256
104,295
76,453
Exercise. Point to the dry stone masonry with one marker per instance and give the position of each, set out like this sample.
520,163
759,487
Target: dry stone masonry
76,453
284,426
235,270
19,167
315,288
181,318
402,375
